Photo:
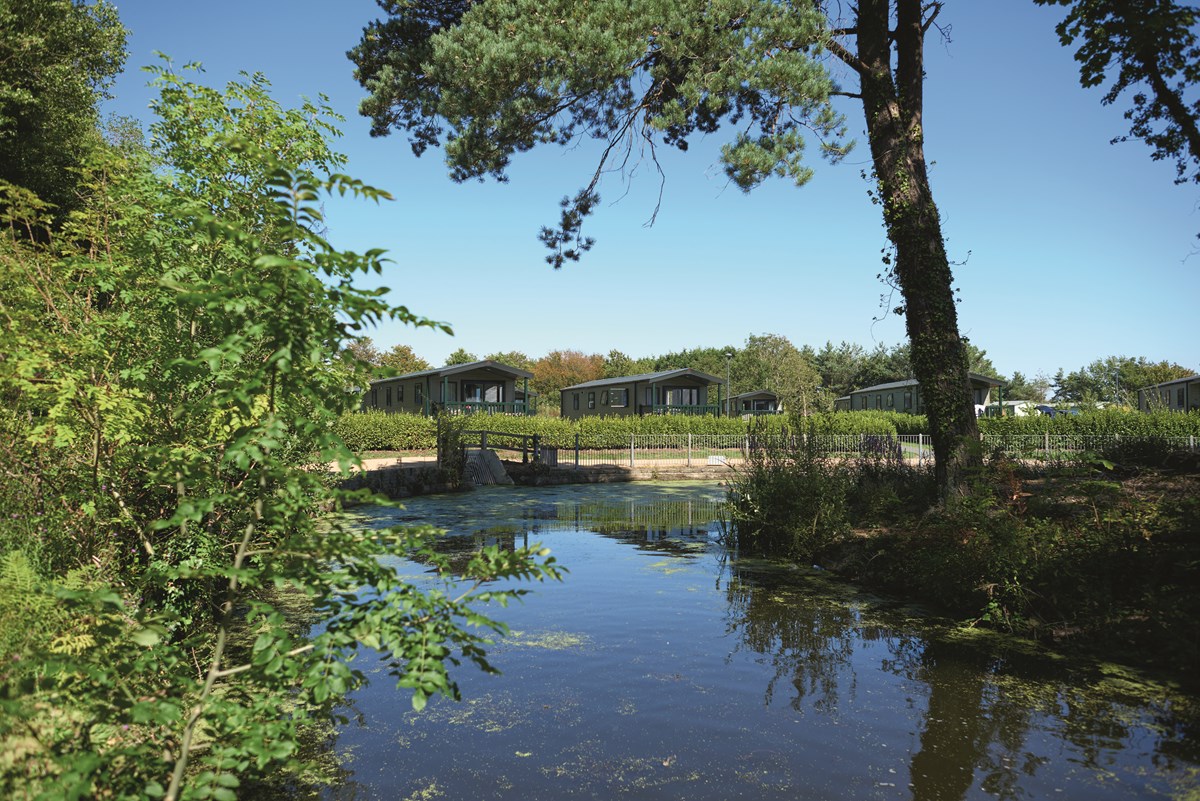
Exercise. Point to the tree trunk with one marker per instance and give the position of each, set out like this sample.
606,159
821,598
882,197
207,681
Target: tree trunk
893,109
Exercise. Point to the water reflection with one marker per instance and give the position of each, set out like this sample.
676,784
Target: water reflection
683,672
991,707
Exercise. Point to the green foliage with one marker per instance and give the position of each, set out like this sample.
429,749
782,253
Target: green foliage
174,363
460,356
789,502
772,362
495,78
868,421
1148,47
57,60
1098,422
1115,379
1070,553
373,430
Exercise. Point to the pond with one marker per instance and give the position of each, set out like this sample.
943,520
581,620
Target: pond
663,667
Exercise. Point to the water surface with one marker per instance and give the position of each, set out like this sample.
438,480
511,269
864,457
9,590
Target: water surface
665,668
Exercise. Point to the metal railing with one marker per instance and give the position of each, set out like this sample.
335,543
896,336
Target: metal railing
528,445
668,408
489,407
693,450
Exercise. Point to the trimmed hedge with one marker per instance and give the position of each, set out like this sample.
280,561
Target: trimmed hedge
1100,421
378,431
381,431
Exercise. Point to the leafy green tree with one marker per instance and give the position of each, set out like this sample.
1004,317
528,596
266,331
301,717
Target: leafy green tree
1147,48
1021,388
1115,379
772,362
706,360
57,61
513,358
403,360
497,77
883,365
978,362
170,374
617,364
460,356
838,367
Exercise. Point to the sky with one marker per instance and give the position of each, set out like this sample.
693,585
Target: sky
1068,249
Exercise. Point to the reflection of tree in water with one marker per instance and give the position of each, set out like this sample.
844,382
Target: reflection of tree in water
984,701
808,639
673,527
660,523
985,704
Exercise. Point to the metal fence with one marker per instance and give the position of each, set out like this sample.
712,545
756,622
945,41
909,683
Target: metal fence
694,450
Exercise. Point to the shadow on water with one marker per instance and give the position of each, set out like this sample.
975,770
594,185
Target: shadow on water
666,668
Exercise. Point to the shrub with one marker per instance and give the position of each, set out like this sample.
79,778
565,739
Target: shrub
788,502
374,430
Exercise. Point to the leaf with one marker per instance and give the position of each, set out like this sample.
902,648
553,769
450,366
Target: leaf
146,637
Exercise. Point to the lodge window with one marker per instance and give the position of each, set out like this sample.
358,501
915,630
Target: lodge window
682,396
418,394
575,401
862,402
907,401
389,396
374,396
483,391
591,400
1179,397
604,398
878,401
400,393
891,401
619,398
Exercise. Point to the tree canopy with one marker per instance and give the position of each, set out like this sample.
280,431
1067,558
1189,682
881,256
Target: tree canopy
57,60
1147,51
460,356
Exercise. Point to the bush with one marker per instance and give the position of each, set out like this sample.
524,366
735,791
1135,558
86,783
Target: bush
376,430
788,502
1098,422
379,431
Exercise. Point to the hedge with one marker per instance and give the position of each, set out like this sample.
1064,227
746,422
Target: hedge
1100,421
378,431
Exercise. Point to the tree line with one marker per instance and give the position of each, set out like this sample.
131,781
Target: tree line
807,379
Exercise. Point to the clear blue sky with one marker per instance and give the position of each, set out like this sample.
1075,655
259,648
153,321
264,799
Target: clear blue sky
1074,249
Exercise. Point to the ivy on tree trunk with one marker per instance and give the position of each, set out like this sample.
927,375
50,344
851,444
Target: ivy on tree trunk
892,100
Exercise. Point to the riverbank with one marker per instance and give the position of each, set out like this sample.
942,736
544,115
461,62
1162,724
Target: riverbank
1080,556
396,478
